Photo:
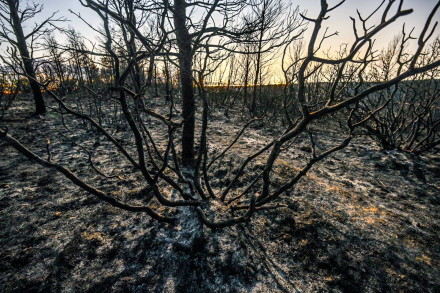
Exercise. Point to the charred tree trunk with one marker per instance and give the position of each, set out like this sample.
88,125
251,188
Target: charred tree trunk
40,107
185,64
257,78
246,80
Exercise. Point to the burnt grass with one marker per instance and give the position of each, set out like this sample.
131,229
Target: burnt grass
364,220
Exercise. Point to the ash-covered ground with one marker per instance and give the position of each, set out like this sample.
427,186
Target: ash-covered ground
363,220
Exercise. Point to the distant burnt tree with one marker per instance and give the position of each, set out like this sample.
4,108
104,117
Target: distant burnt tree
12,16
10,86
410,115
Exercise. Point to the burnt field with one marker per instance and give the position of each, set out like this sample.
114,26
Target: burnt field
363,219
219,146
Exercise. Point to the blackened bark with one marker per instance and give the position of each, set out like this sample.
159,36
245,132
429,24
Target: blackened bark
40,107
246,78
257,79
185,64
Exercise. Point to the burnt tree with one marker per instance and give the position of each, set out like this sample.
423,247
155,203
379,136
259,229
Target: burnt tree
12,17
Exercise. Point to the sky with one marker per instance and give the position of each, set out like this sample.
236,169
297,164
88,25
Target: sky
339,19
